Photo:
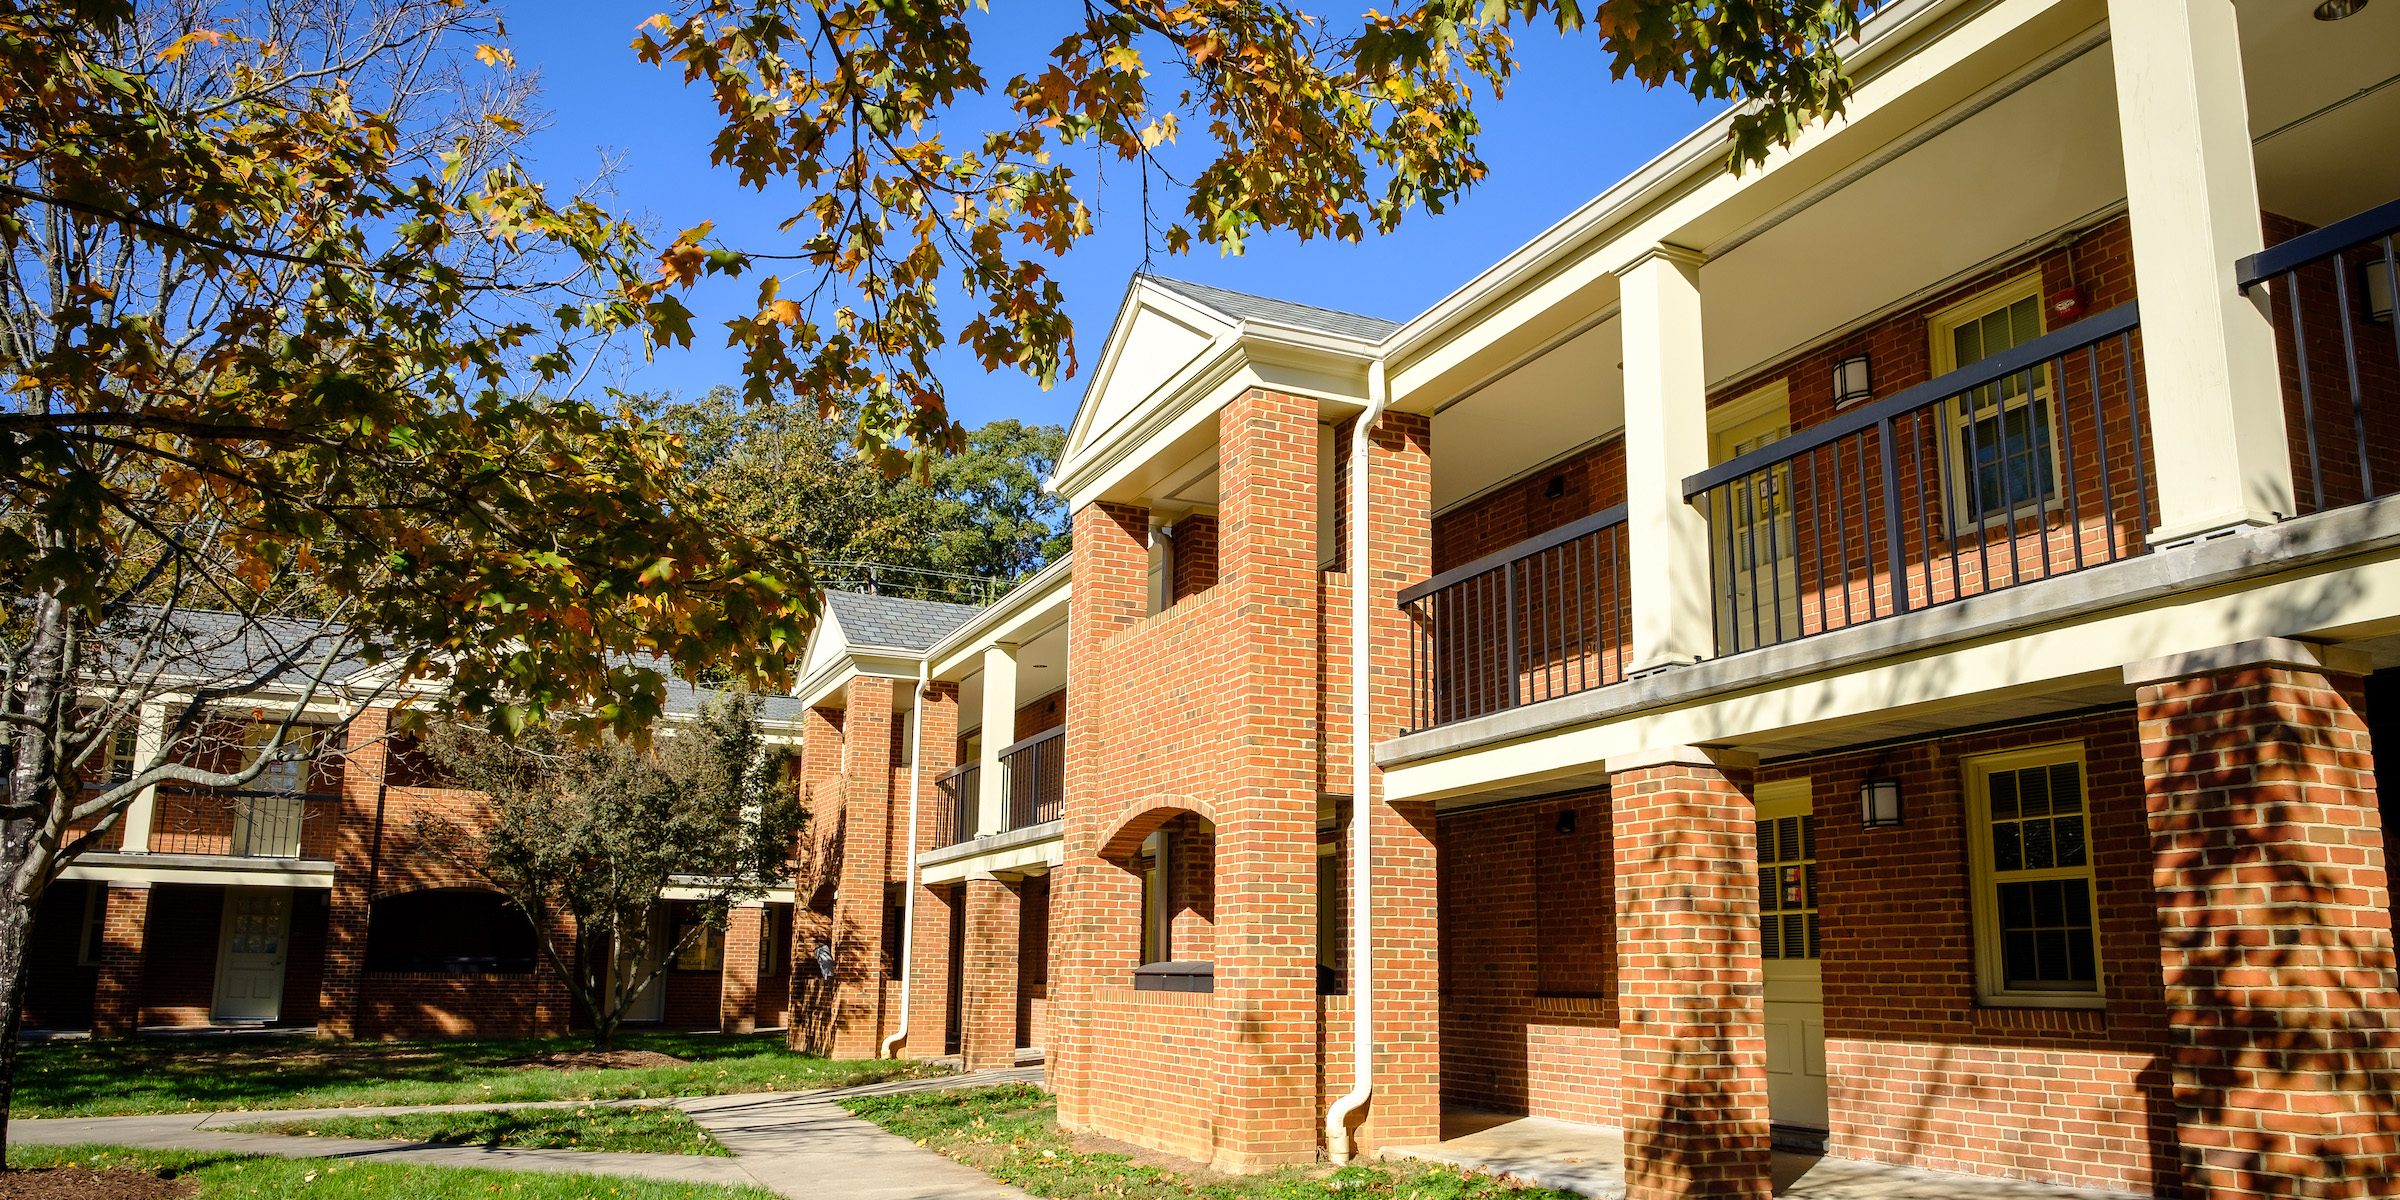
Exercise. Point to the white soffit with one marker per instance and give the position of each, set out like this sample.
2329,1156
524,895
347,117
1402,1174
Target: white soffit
1999,182
2324,148
1569,397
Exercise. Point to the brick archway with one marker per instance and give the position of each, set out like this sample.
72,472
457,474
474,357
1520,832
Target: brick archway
1126,839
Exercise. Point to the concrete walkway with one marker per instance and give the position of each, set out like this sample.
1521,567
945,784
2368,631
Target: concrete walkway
794,1143
1589,1160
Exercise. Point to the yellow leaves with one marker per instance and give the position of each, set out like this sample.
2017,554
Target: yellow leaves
183,45
782,311
495,56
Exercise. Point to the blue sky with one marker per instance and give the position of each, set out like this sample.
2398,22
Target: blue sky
1563,133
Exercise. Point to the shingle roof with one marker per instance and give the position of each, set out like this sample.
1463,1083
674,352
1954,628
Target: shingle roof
1242,306
894,621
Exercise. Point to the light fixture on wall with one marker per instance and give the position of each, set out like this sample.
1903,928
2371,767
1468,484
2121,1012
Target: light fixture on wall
1852,381
2375,287
1879,803
2335,10
1566,821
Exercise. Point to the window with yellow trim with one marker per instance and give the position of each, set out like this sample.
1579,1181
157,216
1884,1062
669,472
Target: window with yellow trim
2036,911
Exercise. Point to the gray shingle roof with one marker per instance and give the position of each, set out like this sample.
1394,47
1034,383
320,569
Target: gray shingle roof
1242,306
894,621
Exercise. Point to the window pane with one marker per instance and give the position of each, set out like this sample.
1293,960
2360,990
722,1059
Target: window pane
2046,935
2037,846
1766,841
2004,795
1787,839
2066,789
1770,938
2034,789
1808,843
1795,935
2016,904
2007,855
2067,840
1766,889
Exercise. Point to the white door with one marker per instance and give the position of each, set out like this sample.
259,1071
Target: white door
1757,567
257,932
1788,950
651,1003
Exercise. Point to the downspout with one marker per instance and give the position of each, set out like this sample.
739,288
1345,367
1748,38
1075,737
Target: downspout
908,901
1362,763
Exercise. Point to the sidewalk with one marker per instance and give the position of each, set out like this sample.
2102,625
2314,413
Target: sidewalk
794,1143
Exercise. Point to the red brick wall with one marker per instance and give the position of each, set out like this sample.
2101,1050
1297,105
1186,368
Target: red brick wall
1589,482
1041,716
1690,1017
1506,1044
1194,558
1922,1075
2277,946
396,1005
988,1016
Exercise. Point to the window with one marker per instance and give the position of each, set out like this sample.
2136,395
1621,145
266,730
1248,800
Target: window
1787,886
895,928
1756,545
2003,455
699,946
93,939
2035,926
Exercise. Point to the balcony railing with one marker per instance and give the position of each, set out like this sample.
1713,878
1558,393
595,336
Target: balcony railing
1544,618
2330,294
2030,464
244,824
1036,778
954,819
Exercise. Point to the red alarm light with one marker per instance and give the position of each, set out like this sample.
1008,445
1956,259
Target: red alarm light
2066,305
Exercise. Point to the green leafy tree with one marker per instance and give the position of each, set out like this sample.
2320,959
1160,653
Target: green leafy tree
583,837
979,513
293,347
1313,124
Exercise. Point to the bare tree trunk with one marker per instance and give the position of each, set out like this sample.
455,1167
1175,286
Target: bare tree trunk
16,924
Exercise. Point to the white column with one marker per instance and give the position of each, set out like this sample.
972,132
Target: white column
150,734
2216,400
1666,439
999,729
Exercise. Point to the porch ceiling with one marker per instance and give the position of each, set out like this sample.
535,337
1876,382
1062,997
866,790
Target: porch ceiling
2324,102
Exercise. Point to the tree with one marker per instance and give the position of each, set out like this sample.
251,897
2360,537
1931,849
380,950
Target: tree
292,426
979,513
583,837
1313,126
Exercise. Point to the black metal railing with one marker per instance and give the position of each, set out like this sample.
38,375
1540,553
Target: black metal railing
2330,294
1036,778
961,791
1545,618
2030,464
243,823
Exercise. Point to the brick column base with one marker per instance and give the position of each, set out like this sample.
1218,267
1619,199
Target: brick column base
737,987
1691,1030
2274,922
117,1003
988,1017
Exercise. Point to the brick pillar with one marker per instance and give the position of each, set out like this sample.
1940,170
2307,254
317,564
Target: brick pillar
1095,923
1407,1106
117,1004
1690,1000
2275,934
1266,786
988,1021
354,850
929,953
870,856
737,985
814,869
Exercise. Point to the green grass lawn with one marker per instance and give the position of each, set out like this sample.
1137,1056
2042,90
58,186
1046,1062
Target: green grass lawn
149,1075
1009,1133
642,1129
239,1177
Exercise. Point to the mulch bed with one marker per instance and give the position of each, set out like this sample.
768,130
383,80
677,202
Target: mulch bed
597,1060
84,1183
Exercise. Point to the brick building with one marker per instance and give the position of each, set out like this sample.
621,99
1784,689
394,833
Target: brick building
1880,654
300,901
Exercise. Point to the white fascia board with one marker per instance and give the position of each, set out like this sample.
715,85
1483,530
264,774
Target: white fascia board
1031,606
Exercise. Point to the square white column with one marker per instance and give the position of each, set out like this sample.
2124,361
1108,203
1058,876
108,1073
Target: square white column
1666,439
2210,380
999,729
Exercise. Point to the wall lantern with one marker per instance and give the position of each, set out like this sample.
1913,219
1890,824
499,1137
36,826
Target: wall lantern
1879,803
1566,821
1851,381
2375,285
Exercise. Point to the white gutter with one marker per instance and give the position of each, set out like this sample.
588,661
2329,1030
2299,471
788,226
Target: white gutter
1362,764
908,908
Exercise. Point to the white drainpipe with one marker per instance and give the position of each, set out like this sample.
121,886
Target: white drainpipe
908,902
1362,959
